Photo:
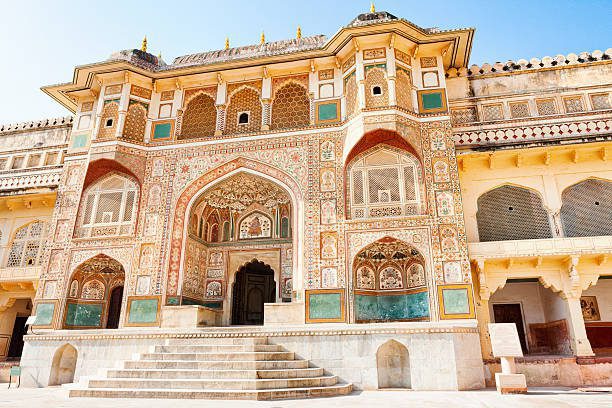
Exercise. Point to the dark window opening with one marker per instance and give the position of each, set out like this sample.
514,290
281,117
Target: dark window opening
109,122
377,90
243,118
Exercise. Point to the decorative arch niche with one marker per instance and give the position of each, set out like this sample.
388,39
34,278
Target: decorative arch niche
98,303
63,366
390,282
393,365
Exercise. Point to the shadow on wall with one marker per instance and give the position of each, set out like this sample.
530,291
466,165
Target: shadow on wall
393,365
64,365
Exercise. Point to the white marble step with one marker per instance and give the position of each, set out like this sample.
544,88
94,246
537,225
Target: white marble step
215,373
219,364
224,384
230,356
219,348
220,394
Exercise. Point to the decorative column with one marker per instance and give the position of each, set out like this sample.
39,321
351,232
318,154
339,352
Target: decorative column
482,310
391,74
220,122
360,78
123,106
581,346
265,114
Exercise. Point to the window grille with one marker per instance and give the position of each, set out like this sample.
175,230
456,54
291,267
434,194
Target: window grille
587,209
27,245
109,208
385,183
511,213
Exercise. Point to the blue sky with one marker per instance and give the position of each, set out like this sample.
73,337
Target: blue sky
42,40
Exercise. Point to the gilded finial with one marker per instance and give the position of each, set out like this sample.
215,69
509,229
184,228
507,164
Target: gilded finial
262,39
227,43
372,8
298,34
159,56
143,47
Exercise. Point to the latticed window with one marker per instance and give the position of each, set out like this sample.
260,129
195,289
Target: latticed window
587,209
109,207
509,213
27,245
384,183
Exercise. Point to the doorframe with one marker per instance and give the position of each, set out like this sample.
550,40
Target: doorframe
525,328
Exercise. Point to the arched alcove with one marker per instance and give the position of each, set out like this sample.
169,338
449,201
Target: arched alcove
393,365
63,365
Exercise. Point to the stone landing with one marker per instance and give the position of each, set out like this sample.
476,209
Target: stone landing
215,368
311,359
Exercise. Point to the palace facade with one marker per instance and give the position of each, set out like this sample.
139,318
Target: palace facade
369,201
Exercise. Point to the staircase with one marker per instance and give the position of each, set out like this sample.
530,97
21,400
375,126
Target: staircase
215,368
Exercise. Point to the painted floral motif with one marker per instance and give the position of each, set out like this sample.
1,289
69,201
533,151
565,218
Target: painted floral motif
365,278
329,277
390,278
143,285
445,203
93,290
213,289
329,245
327,151
415,276
328,211
452,272
440,169
328,180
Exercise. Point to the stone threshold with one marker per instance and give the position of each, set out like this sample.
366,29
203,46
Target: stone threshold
330,329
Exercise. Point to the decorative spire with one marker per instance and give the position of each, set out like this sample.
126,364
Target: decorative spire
227,43
372,8
143,47
159,56
298,33
262,39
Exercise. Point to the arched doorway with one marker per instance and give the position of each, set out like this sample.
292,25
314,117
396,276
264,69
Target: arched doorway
254,286
64,365
114,308
95,294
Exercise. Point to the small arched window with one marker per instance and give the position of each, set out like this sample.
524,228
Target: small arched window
377,90
385,182
27,245
511,213
243,118
587,209
109,207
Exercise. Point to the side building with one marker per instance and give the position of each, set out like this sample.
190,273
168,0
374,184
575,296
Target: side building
31,165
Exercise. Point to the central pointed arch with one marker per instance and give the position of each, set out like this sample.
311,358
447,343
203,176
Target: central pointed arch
189,196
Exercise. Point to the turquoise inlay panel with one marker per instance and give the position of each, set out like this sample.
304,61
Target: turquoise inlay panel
85,314
328,111
79,140
325,306
189,301
432,100
162,131
44,314
172,301
456,301
369,67
214,305
392,307
143,311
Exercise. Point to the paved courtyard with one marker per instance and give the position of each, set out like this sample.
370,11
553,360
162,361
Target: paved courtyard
55,397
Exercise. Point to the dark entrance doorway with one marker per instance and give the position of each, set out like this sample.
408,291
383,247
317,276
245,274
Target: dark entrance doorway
253,287
19,331
511,313
114,308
